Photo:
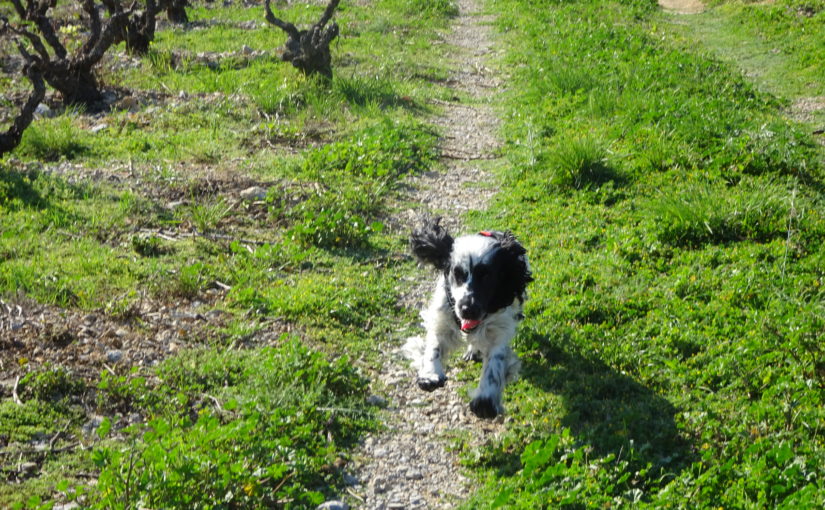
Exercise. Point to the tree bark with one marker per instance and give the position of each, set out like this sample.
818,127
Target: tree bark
138,30
11,138
308,50
175,10
70,74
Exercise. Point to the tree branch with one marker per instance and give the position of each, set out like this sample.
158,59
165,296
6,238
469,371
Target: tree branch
19,8
94,26
106,39
37,44
11,138
37,14
287,27
328,12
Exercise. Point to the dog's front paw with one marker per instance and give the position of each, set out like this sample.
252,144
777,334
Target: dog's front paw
485,407
431,382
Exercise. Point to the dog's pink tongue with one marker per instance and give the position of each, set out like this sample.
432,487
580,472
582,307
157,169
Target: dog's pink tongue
467,325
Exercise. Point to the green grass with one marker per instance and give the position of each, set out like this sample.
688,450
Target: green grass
669,352
249,428
672,213
756,211
778,45
51,405
147,209
52,140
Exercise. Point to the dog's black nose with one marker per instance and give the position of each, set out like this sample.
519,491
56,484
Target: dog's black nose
469,310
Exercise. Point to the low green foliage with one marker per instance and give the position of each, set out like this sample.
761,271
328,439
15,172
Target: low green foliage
704,212
383,152
255,429
354,178
580,163
51,384
34,431
556,473
668,353
34,419
53,140
148,246
140,209
121,393
206,215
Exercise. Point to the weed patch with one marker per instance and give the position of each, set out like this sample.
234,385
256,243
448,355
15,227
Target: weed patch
580,163
353,179
662,366
704,212
253,429
53,140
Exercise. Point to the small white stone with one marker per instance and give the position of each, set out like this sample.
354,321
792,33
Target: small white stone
377,401
414,474
254,193
43,110
333,505
67,506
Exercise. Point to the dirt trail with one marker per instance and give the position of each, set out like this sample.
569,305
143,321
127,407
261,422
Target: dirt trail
683,6
411,464
806,109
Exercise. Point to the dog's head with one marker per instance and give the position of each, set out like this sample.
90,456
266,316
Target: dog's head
483,273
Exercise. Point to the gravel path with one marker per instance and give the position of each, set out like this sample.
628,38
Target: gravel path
414,462
683,6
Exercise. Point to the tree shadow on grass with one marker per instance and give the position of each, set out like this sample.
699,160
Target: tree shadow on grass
18,189
610,412
361,92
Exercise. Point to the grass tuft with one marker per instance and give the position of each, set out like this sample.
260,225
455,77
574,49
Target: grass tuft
580,162
53,140
717,213
283,412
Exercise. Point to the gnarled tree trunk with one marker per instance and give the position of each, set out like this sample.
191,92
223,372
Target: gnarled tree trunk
138,29
175,10
11,138
308,50
70,74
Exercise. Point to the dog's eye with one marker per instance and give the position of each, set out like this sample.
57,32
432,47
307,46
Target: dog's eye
459,274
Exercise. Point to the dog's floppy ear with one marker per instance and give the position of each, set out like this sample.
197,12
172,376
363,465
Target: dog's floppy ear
431,244
517,269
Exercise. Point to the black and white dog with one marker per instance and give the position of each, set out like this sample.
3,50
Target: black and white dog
478,300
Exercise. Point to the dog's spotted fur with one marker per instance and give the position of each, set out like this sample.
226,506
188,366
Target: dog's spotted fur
477,300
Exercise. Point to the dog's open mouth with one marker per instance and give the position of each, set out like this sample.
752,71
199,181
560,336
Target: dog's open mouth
469,324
